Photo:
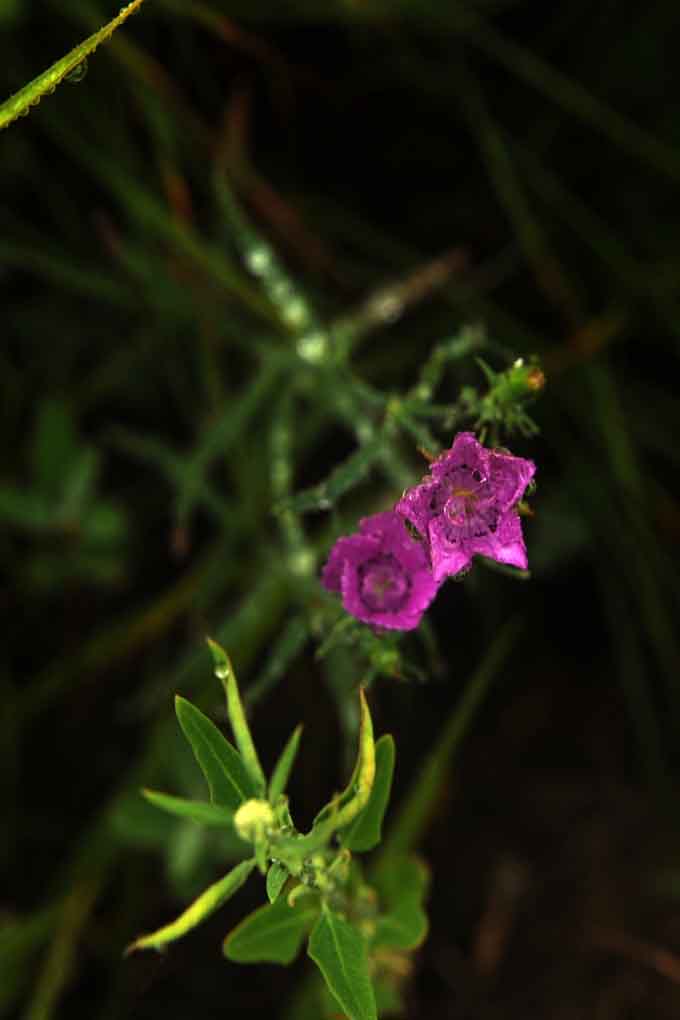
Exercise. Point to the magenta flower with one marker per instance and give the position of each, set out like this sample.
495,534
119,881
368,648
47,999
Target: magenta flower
466,506
382,573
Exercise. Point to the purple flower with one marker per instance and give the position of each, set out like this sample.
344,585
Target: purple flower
382,573
466,506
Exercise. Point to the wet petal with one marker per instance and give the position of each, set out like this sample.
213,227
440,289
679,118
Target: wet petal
449,552
467,453
506,544
509,477
421,503
353,548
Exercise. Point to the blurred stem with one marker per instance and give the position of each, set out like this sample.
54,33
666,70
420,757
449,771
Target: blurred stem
58,966
117,642
550,274
643,719
573,97
419,804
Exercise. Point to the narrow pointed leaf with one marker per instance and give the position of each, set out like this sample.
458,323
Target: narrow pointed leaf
196,810
221,764
54,446
237,717
327,493
30,94
343,808
339,951
276,879
202,907
283,767
365,831
272,934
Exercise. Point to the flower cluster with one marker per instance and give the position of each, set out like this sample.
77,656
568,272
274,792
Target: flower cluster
389,573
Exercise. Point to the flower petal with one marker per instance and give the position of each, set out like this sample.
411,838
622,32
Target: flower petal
467,451
421,503
353,548
449,551
509,477
506,544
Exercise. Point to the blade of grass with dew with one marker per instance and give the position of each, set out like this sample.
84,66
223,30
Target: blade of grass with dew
21,102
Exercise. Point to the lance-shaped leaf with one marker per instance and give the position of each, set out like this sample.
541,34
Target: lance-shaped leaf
196,810
202,907
283,767
339,951
365,831
224,770
276,879
402,887
30,94
361,780
237,717
344,808
271,934
344,477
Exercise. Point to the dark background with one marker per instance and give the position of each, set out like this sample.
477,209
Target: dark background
541,145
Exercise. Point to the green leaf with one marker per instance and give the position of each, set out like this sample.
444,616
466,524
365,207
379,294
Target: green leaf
24,508
365,831
276,879
272,934
54,446
405,927
348,474
388,996
21,102
134,822
283,767
237,717
422,797
346,805
221,764
339,951
402,886
196,810
202,907
22,938
78,482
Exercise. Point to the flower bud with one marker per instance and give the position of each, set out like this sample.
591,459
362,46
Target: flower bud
253,819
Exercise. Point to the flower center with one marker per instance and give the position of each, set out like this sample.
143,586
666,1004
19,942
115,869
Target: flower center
468,490
384,585
461,505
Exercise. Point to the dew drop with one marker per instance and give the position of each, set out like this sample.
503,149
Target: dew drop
258,260
222,671
78,73
295,313
387,307
313,347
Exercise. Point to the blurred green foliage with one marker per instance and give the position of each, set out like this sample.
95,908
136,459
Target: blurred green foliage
241,260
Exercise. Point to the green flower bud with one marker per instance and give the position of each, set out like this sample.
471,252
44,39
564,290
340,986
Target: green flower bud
253,820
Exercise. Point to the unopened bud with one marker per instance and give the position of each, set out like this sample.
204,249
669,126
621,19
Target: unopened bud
536,380
253,819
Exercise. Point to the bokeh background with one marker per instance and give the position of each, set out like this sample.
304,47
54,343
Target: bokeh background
497,165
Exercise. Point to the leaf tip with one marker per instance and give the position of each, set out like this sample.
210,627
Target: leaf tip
221,662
